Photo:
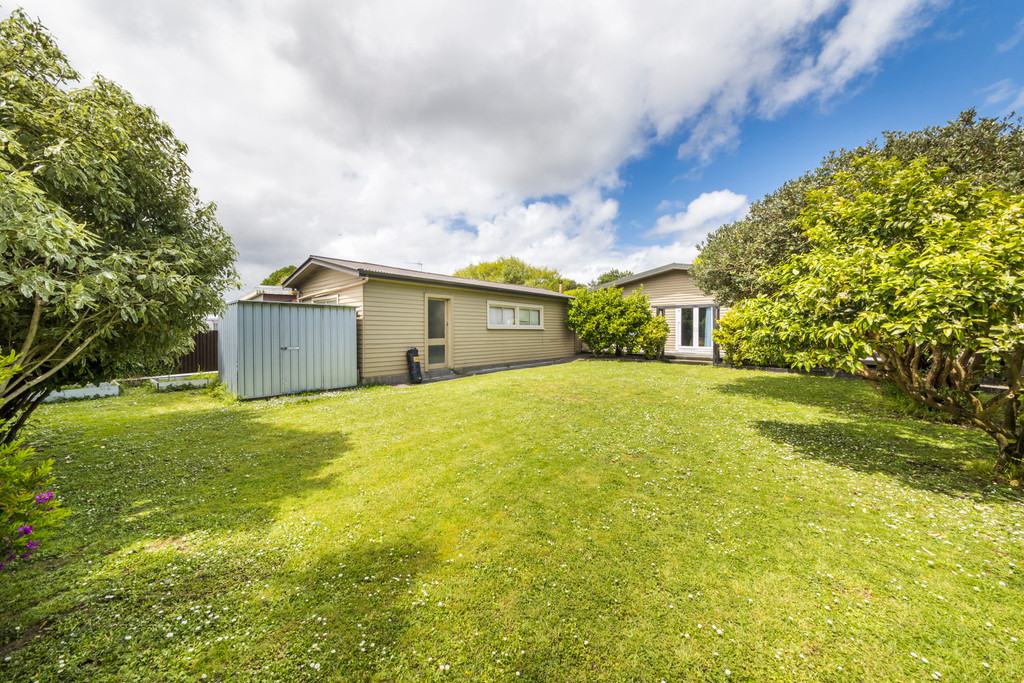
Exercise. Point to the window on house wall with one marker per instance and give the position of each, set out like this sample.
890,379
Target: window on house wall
529,317
694,326
501,315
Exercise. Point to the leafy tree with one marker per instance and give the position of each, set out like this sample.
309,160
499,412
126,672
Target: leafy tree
734,259
515,271
921,275
608,322
278,276
110,261
611,276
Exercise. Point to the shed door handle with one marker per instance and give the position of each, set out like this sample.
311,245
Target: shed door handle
290,348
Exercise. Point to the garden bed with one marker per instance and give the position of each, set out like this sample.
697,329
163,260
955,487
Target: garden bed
101,390
186,381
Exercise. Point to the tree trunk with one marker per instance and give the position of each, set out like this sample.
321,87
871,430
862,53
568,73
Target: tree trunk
1011,460
10,428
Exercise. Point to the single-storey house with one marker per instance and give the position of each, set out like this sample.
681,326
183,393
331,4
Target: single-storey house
458,324
690,313
269,293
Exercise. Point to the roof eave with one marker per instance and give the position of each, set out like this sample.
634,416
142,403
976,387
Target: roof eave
685,267
469,284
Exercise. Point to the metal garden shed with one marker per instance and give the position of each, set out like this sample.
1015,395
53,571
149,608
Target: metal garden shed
270,348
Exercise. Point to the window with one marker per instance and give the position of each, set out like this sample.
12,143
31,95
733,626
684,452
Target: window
694,326
529,316
502,315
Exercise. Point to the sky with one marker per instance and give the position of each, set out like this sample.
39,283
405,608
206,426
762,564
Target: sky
582,136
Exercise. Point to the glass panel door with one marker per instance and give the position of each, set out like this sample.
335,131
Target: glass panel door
685,332
437,332
705,326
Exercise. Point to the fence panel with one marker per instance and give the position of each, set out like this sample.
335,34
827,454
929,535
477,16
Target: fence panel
203,358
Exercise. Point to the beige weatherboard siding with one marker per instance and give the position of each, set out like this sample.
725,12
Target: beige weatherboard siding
671,288
392,308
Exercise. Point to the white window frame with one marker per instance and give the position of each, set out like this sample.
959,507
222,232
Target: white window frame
694,346
515,325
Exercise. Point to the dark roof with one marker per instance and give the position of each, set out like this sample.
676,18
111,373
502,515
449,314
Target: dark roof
360,269
685,267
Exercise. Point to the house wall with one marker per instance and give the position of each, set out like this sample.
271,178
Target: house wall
318,281
394,320
330,286
670,290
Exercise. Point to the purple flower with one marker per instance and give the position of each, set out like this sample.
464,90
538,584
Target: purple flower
24,530
31,545
44,497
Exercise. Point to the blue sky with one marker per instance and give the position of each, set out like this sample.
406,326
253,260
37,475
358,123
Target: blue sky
967,53
583,135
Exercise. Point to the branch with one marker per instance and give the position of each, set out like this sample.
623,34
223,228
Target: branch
33,327
26,371
81,347
938,362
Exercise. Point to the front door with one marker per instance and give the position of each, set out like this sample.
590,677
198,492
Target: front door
437,333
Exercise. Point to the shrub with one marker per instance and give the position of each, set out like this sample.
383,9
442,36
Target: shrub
651,339
742,341
28,510
608,322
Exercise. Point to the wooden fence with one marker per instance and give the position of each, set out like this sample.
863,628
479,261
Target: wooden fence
203,357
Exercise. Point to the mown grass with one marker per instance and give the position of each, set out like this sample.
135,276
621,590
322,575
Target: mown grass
589,521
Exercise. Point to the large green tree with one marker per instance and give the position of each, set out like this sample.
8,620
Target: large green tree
110,260
910,279
610,276
515,271
734,259
278,276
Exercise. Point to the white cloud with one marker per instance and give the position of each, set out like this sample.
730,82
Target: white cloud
1005,92
864,34
402,131
1013,40
706,212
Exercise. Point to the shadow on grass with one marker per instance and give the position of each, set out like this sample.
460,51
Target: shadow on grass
815,391
859,433
899,451
212,469
146,477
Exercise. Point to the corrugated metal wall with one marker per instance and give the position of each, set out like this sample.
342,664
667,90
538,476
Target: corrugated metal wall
268,348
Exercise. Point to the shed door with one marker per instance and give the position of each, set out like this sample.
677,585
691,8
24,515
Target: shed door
437,333
300,352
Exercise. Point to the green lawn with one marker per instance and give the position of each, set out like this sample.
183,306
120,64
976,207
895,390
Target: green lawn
588,521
